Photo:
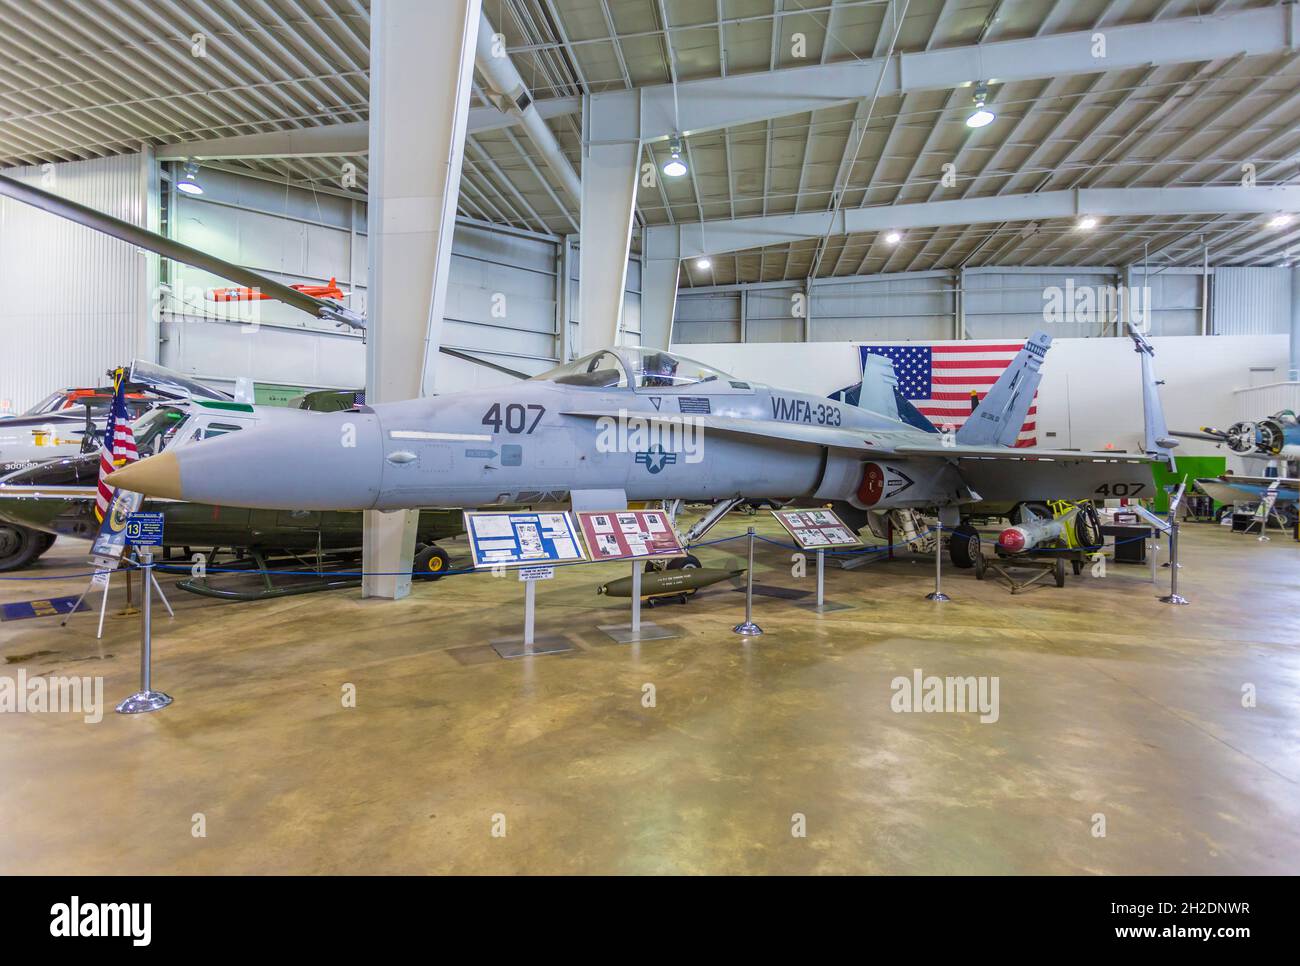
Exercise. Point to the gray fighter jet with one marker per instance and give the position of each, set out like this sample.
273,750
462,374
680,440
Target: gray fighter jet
648,425
637,424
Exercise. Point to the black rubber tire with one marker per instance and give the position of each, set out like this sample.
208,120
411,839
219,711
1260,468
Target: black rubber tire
981,567
431,562
20,546
1059,572
964,547
1087,528
47,541
689,562
1076,566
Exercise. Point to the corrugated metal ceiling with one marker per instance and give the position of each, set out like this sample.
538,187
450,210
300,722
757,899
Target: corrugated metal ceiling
87,78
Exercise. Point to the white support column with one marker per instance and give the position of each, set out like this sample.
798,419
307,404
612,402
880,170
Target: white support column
1123,281
660,267
807,310
611,150
416,146
1293,372
569,343
151,196
959,302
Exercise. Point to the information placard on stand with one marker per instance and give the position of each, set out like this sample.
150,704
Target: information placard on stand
532,543
628,534
499,538
819,530
635,535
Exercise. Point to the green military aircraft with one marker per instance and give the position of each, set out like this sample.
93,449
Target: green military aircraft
57,498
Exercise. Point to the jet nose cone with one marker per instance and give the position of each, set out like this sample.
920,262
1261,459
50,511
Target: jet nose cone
153,476
299,461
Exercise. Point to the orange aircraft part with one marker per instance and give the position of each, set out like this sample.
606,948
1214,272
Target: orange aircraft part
327,291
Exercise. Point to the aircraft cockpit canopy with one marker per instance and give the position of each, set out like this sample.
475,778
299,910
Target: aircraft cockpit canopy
634,366
157,428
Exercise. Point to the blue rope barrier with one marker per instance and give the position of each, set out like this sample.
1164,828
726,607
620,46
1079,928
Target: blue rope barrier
179,568
173,568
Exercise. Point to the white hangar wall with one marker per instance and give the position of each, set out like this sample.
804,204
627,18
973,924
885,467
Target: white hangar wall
1090,396
75,302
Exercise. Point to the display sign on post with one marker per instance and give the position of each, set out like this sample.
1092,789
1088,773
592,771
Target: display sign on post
817,529
634,535
521,539
144,530
629,534
110,541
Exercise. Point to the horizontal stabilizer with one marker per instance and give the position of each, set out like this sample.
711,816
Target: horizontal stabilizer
958,451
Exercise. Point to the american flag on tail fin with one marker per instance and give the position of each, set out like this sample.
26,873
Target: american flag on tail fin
939,379
119,444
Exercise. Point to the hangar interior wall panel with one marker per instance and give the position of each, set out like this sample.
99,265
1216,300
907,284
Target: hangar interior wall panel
501,304
631,326
1015,305
76,302
1251,301
1254,402
1090,396
922,306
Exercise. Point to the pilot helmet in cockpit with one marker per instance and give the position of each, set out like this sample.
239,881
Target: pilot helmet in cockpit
658,369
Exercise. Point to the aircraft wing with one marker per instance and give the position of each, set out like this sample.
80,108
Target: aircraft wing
761,429
1221,438
1264,481
869,442
1249,489
22,491
1015,453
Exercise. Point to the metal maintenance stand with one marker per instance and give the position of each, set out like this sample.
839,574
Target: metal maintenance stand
938,595
749,628
146,699
1173,597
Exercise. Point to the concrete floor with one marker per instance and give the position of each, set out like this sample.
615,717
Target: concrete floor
1110,703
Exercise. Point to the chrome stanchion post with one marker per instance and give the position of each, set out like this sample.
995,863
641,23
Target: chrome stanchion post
749,628
938,594
636,598
146,699
821,577
1173,596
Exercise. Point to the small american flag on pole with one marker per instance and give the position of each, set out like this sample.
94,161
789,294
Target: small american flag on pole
119,444
940,379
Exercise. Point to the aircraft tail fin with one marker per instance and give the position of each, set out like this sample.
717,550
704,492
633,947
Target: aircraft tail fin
879,386
1156,438
998,418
